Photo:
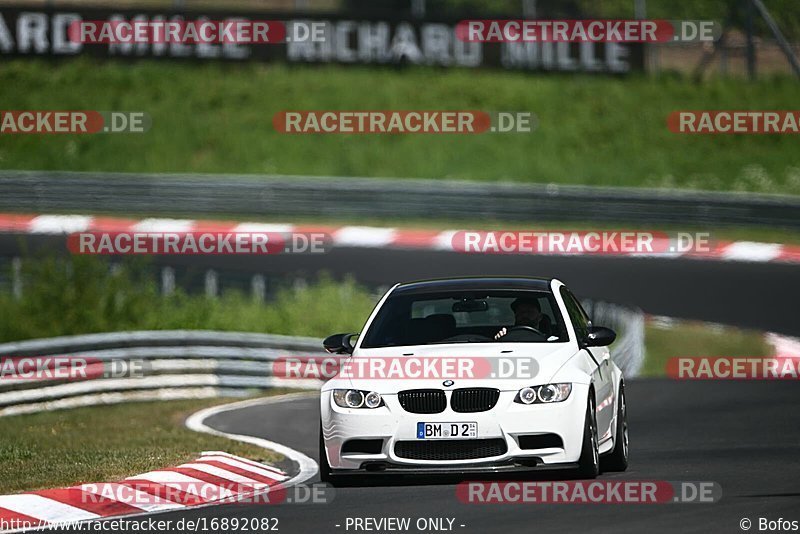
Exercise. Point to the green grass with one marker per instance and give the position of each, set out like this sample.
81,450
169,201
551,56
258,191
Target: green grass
691,339
216,118
81,295
105,444
110,442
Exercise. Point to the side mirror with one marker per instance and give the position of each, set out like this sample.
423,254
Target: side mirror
600,336
338,344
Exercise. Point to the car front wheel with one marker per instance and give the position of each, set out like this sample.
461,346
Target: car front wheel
618,459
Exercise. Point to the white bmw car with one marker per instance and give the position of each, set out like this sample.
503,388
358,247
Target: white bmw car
474,375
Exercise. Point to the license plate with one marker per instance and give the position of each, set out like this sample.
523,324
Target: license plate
447,430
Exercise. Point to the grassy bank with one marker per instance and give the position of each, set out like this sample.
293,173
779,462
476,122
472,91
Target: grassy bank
84,296
104,443
693,339
107,443
217,118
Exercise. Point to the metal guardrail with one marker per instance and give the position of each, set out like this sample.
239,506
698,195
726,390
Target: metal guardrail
160,338
199,364
180,364
254,195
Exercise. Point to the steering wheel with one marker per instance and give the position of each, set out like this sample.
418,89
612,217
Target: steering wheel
526,328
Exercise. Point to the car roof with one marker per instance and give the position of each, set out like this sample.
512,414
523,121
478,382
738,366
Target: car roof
474,283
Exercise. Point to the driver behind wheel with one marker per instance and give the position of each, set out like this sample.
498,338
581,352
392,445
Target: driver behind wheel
528,312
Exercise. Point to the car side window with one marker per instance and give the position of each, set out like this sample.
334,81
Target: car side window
576,314
578,304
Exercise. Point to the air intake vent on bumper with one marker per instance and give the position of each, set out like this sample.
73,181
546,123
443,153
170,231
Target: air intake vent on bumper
443,450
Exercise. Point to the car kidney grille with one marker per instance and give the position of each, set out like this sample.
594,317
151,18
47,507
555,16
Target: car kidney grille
423,400
469,400
461,449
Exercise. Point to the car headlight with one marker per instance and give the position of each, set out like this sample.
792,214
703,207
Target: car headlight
355,398
372,399
527,395
543,394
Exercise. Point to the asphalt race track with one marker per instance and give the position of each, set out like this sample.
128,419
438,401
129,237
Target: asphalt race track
765,296
745,436
742,435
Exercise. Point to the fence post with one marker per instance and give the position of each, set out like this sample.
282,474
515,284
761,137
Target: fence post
167,281
259,288
16,278
776,31
751,45
529,9
211,283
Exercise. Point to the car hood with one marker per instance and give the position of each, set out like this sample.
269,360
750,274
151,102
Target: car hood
505,366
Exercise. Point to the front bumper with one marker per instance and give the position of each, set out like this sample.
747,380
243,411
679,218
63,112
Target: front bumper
508,466
507,421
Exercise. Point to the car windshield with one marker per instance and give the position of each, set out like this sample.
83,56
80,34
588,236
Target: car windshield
467,317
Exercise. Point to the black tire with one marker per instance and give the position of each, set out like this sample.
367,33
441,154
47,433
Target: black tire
324,467
589,462
617,460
